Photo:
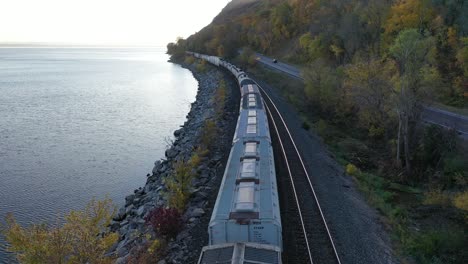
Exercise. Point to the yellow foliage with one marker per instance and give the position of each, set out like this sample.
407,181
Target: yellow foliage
157,245
376,131
202,151
461,201
209,133
179,184
149,253
189,60
351,169
220,98
406,14
201,66
195,160
322,128
436,197
337,50
452,37
79,240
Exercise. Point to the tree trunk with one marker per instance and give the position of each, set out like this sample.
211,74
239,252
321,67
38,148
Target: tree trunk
398,152
407,150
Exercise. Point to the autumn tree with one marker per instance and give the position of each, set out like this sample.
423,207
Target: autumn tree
462,60
248,56
406,14
369,85
314,46
323,87
303,10
282,21
411,51
177,50
81,239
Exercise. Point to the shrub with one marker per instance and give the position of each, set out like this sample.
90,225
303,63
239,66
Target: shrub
454,167
322,128
436,197
195,160
79,240
189,60
435,144
305,125
201,151
357,153
438,246
165,221
149,253
461,201
351,169
201,66
376,131
220,98
209,133
179,184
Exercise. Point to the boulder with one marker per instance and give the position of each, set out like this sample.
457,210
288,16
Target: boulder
122,260
141,211
171,153
129,209
129,199
197,212
120,215
178,132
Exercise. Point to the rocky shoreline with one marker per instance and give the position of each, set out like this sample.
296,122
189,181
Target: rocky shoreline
130,222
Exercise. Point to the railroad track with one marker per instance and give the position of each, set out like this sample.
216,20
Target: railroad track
306,236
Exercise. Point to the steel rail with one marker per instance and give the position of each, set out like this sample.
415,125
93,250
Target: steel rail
292,184
305,170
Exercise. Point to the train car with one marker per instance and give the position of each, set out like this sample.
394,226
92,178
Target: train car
240,253
249,88
245,226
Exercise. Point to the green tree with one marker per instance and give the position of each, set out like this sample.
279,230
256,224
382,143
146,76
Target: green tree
177,50
314,47
323,86
411,51
281,18
248,57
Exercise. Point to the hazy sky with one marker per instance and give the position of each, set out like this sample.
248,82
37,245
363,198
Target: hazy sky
134,22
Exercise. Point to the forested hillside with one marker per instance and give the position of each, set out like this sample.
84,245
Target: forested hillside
370,66
340,32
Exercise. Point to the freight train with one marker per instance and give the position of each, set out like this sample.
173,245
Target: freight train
245,226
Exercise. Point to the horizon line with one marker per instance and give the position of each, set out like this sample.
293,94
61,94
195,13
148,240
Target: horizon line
65,44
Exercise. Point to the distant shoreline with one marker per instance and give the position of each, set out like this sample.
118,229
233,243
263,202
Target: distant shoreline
65,45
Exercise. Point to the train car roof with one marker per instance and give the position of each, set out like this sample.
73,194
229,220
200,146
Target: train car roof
249,88
240,253
246,81
261,200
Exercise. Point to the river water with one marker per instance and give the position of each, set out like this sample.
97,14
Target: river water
77,123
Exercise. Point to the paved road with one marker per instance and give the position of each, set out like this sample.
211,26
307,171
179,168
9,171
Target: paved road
430,115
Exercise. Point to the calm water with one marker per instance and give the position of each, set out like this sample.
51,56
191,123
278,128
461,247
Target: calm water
81,122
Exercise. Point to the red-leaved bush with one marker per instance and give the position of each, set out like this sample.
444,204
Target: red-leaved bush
165,221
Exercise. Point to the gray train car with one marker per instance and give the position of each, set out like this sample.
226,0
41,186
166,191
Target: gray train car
245,226
247,207
249,88
239,253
